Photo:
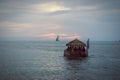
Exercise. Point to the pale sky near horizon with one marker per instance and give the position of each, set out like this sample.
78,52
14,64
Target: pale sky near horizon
45,19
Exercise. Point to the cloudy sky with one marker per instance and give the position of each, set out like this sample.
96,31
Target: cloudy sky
44,19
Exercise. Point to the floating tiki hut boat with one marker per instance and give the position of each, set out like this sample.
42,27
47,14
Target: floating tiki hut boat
76,49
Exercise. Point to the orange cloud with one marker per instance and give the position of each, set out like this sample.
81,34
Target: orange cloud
50,35
62,36
69,36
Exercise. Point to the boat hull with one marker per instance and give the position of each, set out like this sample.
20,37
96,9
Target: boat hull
75,54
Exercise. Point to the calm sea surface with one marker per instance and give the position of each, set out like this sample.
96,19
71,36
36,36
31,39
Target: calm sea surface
44,60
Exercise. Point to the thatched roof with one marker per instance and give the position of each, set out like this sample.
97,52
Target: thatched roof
76,42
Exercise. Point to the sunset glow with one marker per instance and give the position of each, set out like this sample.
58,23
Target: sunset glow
51,7
45,19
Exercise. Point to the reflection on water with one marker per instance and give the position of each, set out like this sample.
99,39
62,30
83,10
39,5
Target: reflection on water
37,60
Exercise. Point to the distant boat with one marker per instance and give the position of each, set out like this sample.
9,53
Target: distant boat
88,43
57,38
76,49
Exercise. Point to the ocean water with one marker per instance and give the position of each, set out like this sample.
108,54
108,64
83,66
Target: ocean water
44,60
